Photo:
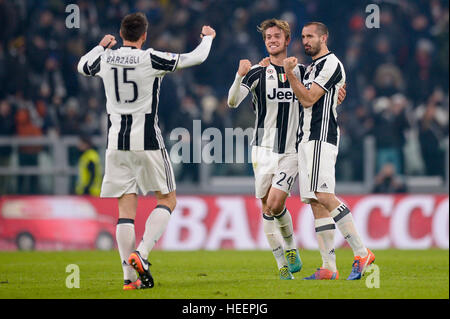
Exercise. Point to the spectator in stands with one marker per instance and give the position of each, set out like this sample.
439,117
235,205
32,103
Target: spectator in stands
90,123
89,169
70,120
70,117
357,125
433,128
47,117
388,80
7,128
28,154
422,72
387,182
390,123
18,69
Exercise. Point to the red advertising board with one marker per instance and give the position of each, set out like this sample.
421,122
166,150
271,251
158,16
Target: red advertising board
221,222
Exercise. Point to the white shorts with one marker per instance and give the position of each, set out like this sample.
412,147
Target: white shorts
126,171
273,169
316,166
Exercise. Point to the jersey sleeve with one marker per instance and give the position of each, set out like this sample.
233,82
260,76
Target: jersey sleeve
330,73
250,79
198,55
89,64
237,92
164,61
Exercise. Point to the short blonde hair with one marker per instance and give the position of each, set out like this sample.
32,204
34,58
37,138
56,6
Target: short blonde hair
266,24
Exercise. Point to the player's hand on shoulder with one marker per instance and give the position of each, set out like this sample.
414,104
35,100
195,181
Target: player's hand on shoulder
207,30
264,62
244,66
108,41
342,93
290,63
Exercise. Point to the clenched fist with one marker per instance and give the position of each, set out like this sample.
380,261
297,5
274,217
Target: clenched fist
108,41
290,63
244,67
207,30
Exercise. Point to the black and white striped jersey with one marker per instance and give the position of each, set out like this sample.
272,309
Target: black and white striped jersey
319,122
276,107
132,80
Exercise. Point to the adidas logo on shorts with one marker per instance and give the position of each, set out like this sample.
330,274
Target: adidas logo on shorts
324,186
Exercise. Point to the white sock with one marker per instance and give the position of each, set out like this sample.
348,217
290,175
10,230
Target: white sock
126,241
154,227
325,238
344,221
284,223
274,241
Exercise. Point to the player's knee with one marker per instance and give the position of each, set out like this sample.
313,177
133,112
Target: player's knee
319,211
168,204
324,198
268,213
275,206
169,200
314,203
265,207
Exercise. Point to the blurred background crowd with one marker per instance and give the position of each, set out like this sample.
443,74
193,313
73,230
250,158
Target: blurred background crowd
397,75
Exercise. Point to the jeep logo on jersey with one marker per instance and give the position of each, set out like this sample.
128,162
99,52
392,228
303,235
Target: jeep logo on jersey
282,95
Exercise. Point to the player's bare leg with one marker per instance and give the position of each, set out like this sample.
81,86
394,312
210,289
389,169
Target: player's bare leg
344,220
126,238
127,206
276,203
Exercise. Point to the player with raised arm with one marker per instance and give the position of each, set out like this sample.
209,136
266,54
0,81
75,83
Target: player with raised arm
318,149
274,153
136,157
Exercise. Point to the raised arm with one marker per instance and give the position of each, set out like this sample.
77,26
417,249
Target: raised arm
306,97
238,92
89,64
201,52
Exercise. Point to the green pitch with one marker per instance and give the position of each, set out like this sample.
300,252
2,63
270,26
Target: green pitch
221,274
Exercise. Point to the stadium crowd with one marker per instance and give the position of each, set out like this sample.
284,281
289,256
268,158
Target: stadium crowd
397,74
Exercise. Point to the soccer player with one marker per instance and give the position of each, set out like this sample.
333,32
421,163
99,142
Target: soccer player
274,154
136,157
318,149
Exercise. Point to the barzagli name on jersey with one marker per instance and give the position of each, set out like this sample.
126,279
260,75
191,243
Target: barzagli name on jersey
126,59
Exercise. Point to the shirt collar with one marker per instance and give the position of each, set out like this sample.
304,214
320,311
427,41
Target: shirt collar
322,56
